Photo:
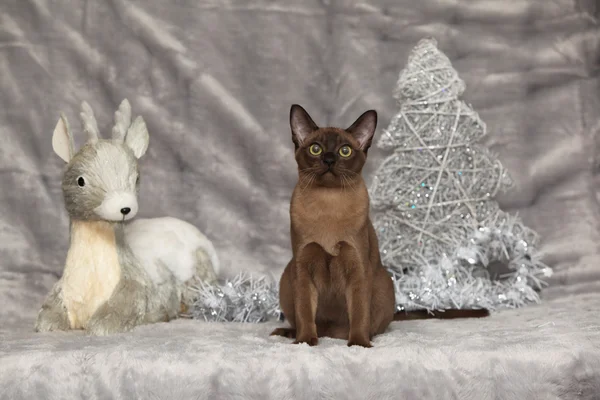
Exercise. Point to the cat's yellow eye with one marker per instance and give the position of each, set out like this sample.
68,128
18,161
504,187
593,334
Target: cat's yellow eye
345,151
315,149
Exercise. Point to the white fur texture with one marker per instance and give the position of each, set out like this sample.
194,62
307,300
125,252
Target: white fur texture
546,352
170,242
92,270
110,209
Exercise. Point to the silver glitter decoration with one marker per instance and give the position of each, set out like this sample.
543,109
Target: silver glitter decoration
441,233
241,299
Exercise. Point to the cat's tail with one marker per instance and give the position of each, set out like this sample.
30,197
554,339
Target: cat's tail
440,314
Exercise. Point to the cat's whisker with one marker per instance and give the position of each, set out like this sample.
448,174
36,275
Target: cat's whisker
304,179
353,186
307,180
307,183
350,172
348,181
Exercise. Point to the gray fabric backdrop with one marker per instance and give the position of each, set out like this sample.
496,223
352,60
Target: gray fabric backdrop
215,79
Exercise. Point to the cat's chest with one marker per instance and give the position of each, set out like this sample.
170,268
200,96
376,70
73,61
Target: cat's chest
328,219
92,271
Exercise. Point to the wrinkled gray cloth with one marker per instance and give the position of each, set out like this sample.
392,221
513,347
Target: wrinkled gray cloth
214,80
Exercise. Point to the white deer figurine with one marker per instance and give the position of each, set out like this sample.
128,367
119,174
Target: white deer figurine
119,274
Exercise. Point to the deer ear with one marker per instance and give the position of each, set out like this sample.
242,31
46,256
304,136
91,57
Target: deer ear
301,123
62,141
137,137
363,129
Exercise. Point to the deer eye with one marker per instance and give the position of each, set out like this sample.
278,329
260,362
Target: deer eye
81,181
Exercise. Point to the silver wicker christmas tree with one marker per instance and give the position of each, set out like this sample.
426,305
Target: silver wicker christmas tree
441,233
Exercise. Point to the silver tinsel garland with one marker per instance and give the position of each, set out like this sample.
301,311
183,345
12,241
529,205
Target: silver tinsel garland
241,299
442,236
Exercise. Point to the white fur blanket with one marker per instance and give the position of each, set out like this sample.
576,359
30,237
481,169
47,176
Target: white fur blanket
544,352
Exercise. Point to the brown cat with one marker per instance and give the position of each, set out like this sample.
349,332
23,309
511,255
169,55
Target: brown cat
335,284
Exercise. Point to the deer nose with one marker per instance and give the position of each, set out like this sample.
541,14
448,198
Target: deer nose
125,210
329,159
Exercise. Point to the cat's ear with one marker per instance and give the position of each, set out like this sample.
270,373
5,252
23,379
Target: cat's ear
363,129
301,123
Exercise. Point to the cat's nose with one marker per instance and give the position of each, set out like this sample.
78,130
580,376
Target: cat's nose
125,210
329,159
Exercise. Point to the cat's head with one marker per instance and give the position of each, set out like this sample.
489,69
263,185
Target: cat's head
331,157
101,180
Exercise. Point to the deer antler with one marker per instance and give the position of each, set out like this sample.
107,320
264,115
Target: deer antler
122,120
90,125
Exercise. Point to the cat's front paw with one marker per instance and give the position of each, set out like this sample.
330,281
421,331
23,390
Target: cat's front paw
310,340
49,320
359,341
289,333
